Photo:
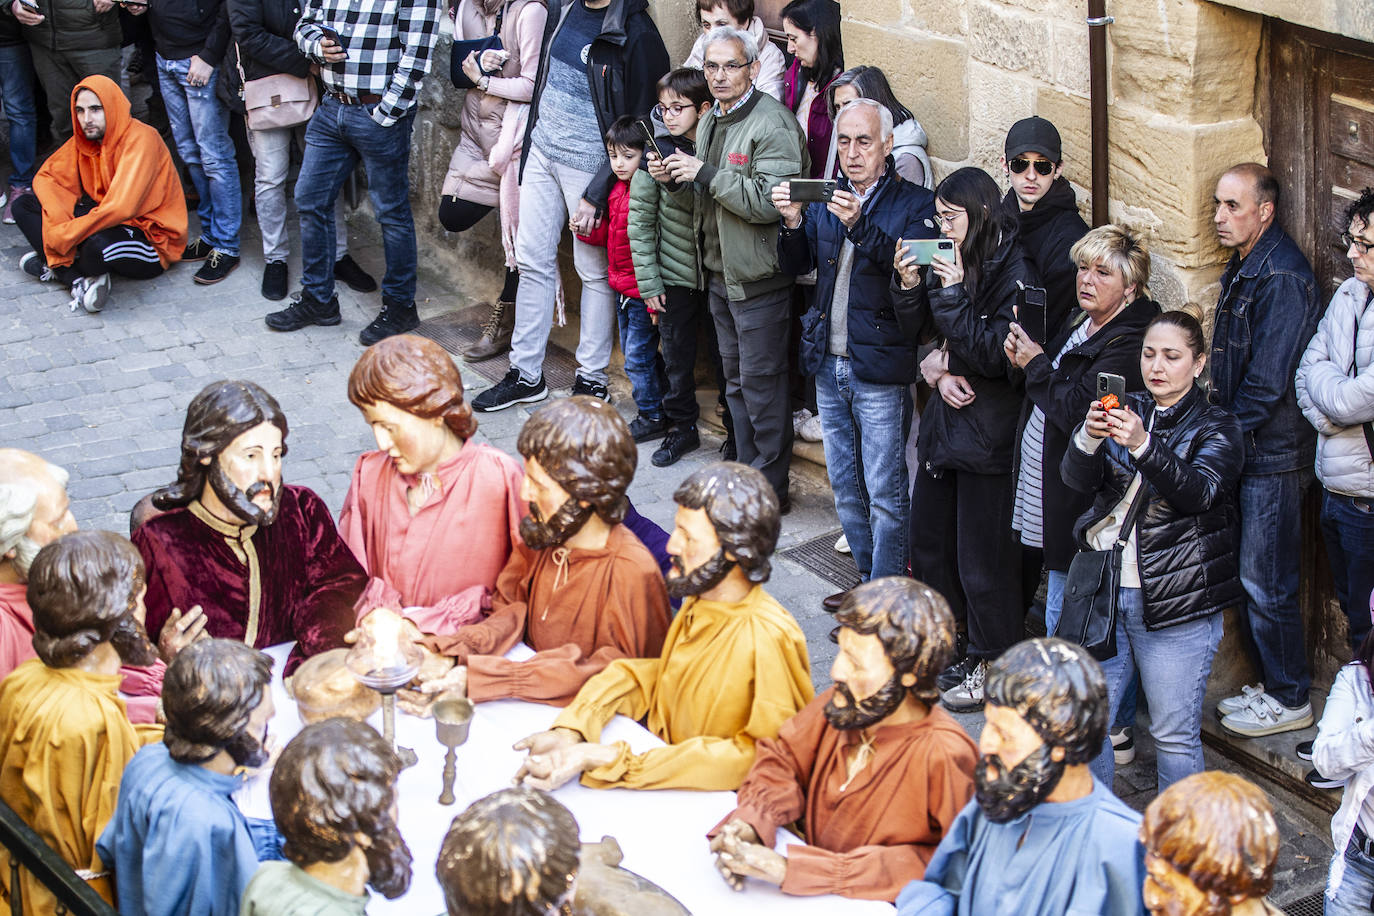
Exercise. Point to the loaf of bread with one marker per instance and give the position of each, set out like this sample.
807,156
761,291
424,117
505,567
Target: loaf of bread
324,687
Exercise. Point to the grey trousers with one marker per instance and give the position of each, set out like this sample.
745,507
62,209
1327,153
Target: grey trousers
753,338
60,71
272,157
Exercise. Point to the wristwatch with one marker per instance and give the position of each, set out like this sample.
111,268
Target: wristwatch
484,82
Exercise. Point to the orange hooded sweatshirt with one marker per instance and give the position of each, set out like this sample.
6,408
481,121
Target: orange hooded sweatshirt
129,174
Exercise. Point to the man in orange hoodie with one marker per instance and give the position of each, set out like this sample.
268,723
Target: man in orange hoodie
108,201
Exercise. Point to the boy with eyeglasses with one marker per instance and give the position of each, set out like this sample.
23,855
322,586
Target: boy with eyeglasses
1047,209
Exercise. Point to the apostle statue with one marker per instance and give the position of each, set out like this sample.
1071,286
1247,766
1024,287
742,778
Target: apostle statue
1211,843
65,736
580,589
178,844
873,768
34,512
733,669
1042,836
236,554
333,793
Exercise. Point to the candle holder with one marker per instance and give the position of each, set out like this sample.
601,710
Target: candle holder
380,660
452,718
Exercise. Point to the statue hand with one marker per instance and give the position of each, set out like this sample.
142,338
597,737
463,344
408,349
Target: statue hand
180,631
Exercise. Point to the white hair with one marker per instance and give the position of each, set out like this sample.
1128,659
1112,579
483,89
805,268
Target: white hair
884,116
18,504
730,33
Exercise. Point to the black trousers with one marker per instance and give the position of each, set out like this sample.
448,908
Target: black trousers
458,215
680,326
121,250
962,546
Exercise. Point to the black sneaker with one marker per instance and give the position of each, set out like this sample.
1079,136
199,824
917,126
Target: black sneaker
954,675
586,386
1304,750
1318,781
198,250
393,319
510,391
644,429
219,265
274,280
34,265
304,311
347,272
677,443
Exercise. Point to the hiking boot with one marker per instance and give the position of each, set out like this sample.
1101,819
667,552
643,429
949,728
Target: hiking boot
968,696
510,391
348,272
647,429
586,386
1241,700
954,675
1267,716
495,338
274,280
219,265
1123,746
304,311
393,319
677,443
198,250
91,293
7,215
34,265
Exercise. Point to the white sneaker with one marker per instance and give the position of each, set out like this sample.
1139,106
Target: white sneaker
1240,700
842,545
1267,716
1123,746
798,418
810,430
968,696
96,293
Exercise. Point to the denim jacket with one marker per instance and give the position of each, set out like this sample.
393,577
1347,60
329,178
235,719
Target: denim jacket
1266,315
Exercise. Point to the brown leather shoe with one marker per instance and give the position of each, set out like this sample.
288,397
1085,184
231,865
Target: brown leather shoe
495,338
832,602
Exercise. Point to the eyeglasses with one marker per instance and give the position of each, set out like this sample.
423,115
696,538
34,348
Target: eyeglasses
664,110
1360,245
949,216
711,68
1042,166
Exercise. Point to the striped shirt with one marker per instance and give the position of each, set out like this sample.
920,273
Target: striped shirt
1028,514
389,43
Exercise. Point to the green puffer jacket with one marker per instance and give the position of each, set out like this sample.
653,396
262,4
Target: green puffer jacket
74,25
746,153
662,233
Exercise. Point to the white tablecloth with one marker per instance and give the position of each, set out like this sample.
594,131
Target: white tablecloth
662,833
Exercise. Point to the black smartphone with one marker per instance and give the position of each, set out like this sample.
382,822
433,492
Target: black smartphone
811,190
649,137
1111,383
1030,313
33,4
333,36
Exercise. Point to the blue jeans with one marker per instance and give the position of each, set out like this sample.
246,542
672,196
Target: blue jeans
643,364
16,88
1348,529
1054,606
337,136
1353,897
1270,547
1174,664
864,426
200,126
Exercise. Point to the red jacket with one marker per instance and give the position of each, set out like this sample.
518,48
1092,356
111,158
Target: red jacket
614,235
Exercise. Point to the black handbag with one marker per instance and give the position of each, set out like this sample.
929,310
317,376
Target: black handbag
461,50
1088,617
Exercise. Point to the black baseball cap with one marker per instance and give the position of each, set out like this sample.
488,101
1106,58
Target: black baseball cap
1034,135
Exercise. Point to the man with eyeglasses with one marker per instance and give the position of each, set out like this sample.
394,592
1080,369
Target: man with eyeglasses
1265,316
1044,203
747,143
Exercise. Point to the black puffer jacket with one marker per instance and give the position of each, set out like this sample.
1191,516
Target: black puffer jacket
1186,540
977,438
1048,230
1063,395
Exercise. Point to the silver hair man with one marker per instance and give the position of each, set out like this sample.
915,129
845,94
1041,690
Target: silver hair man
854,106
743,39
33,508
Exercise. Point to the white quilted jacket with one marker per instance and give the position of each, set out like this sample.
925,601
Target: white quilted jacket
1336,391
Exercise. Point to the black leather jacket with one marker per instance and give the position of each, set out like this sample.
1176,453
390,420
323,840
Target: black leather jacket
1186,540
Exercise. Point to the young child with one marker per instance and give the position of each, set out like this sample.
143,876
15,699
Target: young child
667,267
625,143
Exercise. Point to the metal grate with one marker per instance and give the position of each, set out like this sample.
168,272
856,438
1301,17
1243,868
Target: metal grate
1306,906
819,556
457,329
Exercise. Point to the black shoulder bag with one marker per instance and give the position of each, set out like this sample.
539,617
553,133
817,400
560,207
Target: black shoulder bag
1088,618
461,50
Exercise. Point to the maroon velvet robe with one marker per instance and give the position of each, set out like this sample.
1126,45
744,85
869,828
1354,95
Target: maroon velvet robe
308,578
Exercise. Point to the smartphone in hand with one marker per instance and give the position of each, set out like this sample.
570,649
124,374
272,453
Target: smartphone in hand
811,190
331,35
1031,314
649,137
1111,386
926,250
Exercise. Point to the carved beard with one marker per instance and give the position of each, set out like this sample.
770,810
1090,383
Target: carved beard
866,712
388,861
240,502
25,552
567,521
247,749
701,579
130,641
1015,791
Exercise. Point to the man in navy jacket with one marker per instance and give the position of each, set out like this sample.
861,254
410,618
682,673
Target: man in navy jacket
863,365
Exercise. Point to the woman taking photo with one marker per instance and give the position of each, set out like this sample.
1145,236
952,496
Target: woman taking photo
964,482
1178,569
812,28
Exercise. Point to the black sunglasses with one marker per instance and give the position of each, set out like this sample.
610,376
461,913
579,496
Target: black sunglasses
1021,163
